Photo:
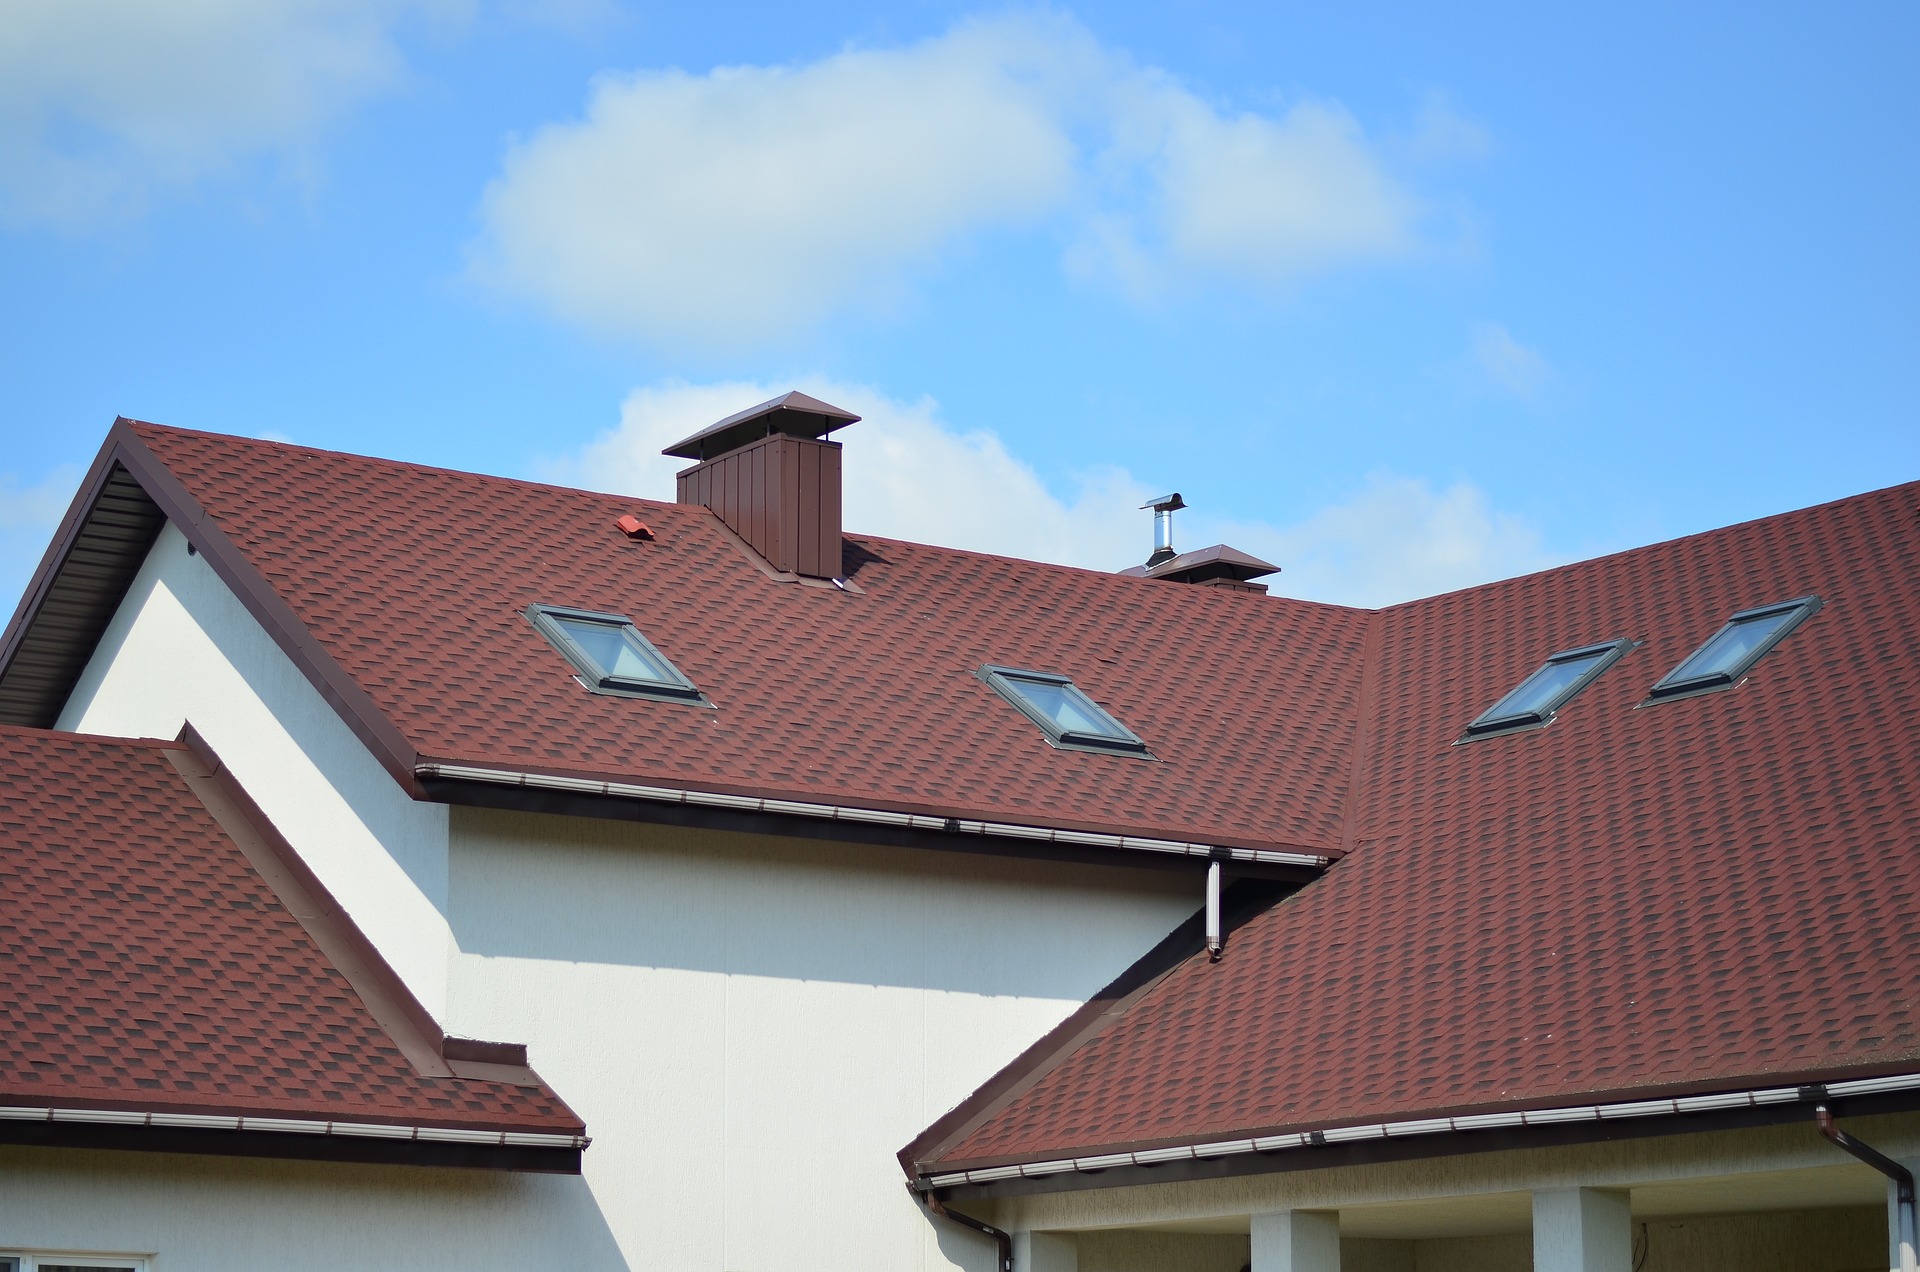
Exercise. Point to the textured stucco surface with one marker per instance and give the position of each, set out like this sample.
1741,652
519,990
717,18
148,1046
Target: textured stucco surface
752,1027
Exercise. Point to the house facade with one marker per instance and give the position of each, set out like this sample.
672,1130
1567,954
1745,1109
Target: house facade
1165,923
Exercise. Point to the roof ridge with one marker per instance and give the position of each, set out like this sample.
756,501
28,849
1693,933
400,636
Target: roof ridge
142,427
1695,536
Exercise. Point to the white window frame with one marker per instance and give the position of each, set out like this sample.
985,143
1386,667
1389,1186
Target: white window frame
32,1260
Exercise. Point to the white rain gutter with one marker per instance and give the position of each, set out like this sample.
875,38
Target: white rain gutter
869,816
293,1126
1426,1126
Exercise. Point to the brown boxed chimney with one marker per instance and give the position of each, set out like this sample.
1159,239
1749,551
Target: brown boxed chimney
772,476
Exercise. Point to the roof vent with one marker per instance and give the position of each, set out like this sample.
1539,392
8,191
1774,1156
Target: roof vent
1217,566
772,476
1163,509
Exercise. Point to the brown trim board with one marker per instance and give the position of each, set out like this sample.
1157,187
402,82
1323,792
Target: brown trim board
317,1148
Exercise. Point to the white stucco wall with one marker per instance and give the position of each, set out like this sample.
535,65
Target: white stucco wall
183,648
233,1214
752,1026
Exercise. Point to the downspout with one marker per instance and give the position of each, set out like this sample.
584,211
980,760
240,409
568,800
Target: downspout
1215,940
1909,1222
1001,1240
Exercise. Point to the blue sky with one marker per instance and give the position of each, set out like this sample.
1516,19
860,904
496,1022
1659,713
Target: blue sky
1403,297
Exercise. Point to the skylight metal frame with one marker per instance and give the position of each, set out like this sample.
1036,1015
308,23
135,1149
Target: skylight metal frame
1493,722
1672,686
1122,741
547,620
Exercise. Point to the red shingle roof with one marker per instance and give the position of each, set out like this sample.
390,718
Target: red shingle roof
1697,894
414,580
145,965
1701,894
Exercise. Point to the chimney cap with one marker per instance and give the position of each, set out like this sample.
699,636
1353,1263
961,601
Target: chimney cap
793,413
1218,561
1166,503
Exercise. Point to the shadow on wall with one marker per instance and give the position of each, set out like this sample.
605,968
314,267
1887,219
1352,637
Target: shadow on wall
392,816
630,894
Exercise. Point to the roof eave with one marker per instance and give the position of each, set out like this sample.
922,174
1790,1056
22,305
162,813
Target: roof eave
292,1139
1540,1126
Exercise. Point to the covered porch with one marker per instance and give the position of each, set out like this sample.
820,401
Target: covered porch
1770,1199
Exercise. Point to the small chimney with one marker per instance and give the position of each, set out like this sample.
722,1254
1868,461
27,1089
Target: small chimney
1217,566
1163,509
772,476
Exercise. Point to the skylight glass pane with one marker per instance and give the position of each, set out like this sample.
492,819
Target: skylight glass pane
618,657
1548,689
1734,644
1066,715
1539,692
611,655
1058,705
1729,652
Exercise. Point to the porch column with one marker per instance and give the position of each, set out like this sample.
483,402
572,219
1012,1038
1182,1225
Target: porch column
1582,1230
1045,1252
1895,1254
1297,1241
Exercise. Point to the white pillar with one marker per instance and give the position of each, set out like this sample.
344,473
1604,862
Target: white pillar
1045,1252
1582,1230
1297,1241
1897,1259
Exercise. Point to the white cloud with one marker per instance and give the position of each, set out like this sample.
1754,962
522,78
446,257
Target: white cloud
1508,364
726,207
1248,197
28,515
1395,539
104,103
1441,134
911,475
907,475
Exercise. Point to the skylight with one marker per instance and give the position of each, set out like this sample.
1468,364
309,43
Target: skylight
1068,717
1736,647
611,655
1536,699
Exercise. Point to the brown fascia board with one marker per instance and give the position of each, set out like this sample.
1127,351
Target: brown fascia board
1244,900
409,1024
1449,1144
125,449
318,1148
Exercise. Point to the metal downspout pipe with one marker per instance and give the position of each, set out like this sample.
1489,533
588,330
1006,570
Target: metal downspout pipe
1215,940
1002,1241
1909,1222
